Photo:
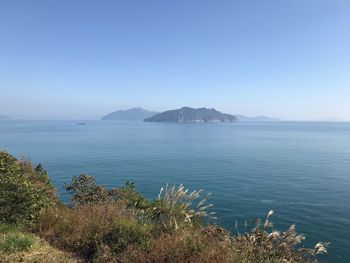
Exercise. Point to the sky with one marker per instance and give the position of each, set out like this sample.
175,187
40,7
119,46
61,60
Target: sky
288,59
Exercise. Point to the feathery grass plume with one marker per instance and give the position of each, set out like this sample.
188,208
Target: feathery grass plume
321,248
176,208
274,235
291,237
270,213
268,223
261,245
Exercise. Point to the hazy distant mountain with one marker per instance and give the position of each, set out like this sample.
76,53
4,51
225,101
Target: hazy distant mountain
4,118
260,118
187,114
330,119
135,114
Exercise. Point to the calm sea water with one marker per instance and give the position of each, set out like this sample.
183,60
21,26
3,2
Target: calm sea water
300,170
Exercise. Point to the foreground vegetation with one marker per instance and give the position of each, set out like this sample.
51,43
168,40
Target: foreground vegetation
19,246
120,225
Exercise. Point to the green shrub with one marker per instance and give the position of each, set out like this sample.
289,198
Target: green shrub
125,233
24,192
133,198
84,190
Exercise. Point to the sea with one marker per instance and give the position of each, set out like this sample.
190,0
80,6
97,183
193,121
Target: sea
300,170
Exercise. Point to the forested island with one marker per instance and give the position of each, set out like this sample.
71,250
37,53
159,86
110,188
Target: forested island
188,114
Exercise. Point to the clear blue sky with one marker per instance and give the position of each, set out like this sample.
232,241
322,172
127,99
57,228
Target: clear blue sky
285,58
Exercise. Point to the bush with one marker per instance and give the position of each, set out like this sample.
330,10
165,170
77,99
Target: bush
84,190
24,192
133,198
81,229
213,244
125,233
189,245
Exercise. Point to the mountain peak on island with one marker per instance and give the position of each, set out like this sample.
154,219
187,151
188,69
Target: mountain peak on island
135,114
188,114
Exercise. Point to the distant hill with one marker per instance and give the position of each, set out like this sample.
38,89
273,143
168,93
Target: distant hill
4,118
331,119
135,114
260,118
187,114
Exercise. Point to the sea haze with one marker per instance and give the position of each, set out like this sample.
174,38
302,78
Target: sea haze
300,170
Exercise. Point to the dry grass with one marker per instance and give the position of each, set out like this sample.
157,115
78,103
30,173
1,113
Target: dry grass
112,233
41,252
214,244
191,245
175,208
18,246
266,246
80,229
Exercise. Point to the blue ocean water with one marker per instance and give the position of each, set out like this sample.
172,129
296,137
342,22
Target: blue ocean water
301,170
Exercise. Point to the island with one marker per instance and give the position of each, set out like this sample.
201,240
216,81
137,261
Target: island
190,115
135,114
